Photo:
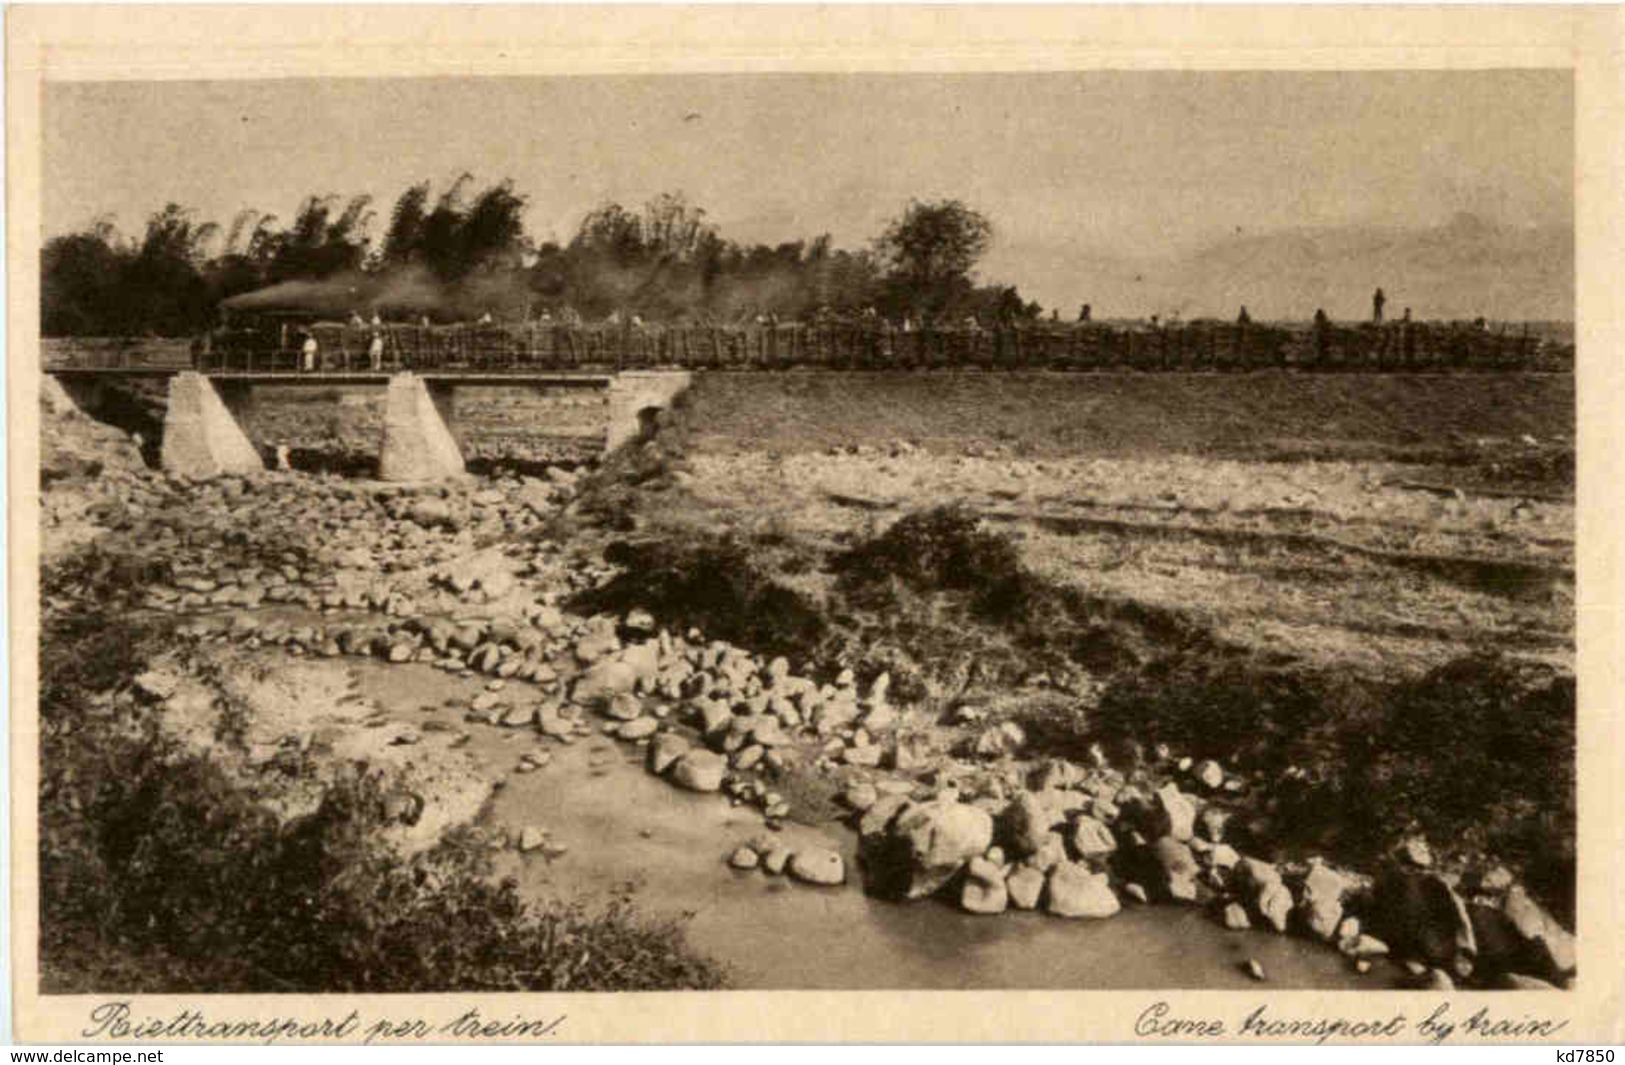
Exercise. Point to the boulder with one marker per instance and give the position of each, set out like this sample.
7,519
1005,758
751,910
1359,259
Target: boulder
860,795
1176,869
1235,917
642,728
699,770
925,846
984,888
595,645
1025,887
1050,853
1091,839
1024,823
1420,915
1074,890
744,857
665,750
432,513
157,685
818,865
1274,903
602,680
1549,947
880,814
714,717
1210,774
624,706
1173,813
1321,902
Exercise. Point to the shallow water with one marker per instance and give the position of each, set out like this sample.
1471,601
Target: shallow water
622,825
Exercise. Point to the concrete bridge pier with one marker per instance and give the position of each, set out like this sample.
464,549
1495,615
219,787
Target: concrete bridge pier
418,443
636,398
201,434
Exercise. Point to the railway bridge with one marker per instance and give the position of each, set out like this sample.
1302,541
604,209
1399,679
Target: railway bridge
202,436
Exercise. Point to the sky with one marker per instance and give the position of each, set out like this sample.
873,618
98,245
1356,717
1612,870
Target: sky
1082,174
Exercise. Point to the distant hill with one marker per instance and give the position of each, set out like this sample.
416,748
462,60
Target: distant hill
1463,269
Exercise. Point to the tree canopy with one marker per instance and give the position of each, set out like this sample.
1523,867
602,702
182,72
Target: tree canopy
663,260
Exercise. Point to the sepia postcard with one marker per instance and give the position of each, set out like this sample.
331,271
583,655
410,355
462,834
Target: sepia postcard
815,524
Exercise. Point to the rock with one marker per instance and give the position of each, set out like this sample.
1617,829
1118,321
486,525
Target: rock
925,846
749,756
1174,813
639,622
775,860
1091,839
768,732
1549,947
532,837
867,755
1414,851
665,750
1176,869
518,716
743,857
1274,904
1364,946
432,513
699,770
624,706
817,865
605,678
1050,853
1073,890
1024,887
595,645
1210,774
1255,969
1136,892
1212,823
1420,915
157,685
878,818
1235,917
1321,903
715,717
484,701
984,888
860,795
642,728
880,718
1027,820
1003,738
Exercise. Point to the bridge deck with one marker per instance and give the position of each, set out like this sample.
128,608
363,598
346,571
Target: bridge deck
378,377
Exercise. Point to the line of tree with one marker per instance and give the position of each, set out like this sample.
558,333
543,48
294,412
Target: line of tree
663,262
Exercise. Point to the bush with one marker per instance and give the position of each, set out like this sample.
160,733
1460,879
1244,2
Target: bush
1478,755
944,549
713,583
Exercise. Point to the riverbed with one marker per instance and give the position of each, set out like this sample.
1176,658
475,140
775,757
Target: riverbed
619,825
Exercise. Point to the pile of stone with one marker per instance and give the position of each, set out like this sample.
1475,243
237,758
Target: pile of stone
820,866
1071,841
299,531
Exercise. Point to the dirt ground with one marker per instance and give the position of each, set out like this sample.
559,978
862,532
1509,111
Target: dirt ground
1424,517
